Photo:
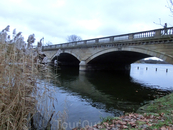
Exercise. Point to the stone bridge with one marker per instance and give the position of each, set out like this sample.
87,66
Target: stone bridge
113,52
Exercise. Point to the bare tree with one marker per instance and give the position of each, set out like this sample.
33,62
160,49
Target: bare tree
73,38
170,6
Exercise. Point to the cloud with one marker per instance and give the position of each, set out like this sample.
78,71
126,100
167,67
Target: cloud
56,19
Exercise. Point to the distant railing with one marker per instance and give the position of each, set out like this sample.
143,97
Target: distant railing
157,33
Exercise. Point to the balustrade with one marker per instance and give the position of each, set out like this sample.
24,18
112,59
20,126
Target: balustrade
64,45
90,41
148,34
58,45
170,31
123,37
132,36
104,40
80,42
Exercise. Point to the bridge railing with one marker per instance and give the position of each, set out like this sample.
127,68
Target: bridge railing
157,33
144,35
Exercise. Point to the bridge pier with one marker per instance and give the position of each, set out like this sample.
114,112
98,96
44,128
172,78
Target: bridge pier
82,66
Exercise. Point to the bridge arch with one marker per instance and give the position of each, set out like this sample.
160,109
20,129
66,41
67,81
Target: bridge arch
68,52
141,50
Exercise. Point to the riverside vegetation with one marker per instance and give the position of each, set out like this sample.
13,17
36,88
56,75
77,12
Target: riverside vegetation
20,68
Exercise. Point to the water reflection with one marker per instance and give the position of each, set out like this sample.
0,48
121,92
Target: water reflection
115,90
94,94
157,76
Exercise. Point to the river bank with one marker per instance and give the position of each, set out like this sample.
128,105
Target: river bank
158,114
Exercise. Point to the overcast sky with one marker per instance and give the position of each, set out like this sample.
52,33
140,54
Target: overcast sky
56,19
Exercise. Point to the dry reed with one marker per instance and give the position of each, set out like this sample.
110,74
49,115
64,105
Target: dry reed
19,84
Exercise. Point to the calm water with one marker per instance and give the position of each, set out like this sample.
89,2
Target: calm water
87,96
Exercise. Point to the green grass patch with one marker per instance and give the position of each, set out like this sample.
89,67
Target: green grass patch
160,105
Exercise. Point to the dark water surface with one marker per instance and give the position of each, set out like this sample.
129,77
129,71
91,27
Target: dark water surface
87,96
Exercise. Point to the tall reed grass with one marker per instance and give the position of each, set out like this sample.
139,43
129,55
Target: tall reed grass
18,77
19,74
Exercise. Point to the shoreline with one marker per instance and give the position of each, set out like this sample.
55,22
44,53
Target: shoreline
157,114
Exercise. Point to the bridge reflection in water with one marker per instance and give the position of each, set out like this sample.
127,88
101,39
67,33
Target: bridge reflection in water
95,94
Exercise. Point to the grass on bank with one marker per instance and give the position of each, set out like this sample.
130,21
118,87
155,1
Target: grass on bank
156,115
162,107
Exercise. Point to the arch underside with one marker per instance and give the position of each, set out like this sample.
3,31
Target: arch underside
118,60
66,59
114,59
67,52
